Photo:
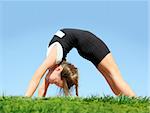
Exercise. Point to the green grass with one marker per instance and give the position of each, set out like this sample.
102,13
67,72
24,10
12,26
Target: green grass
106,104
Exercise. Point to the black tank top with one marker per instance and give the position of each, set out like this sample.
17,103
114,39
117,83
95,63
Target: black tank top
87,44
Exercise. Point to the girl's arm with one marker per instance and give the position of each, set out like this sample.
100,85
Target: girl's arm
35,80
49,62
43,88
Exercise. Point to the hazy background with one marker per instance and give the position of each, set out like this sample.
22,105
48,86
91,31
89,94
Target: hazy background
27,27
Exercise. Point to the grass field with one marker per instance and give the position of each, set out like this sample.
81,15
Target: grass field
106,104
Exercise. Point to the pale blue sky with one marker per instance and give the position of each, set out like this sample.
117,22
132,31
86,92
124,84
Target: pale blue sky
27,27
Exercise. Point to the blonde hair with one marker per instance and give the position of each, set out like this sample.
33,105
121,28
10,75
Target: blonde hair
70,77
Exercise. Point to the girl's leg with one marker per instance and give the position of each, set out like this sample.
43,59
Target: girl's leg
111,73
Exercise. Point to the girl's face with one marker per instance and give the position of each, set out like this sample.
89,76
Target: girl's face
55,77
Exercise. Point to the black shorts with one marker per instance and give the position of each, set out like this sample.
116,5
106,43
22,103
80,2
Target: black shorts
92,48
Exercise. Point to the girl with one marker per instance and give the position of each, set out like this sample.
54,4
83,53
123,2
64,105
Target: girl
88,46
